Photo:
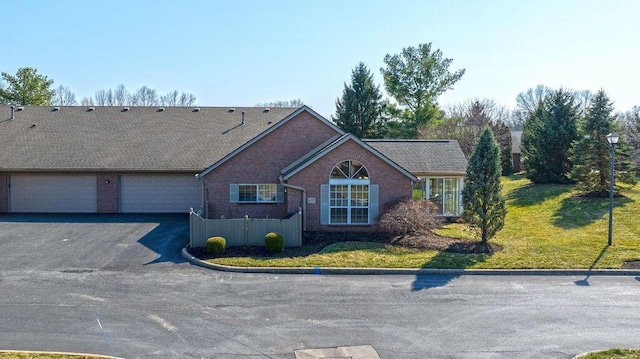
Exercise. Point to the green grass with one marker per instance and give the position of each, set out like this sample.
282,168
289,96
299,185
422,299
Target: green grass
547,227
614,354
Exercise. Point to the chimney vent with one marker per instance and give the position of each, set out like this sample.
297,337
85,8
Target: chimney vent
56,108
125,109
242,118
13,110
197,109
231,109
90,109
160,109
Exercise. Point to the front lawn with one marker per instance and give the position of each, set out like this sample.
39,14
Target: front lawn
547,227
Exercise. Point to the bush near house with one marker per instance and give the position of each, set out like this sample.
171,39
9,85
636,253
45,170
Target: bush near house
410,216
216,245
274,242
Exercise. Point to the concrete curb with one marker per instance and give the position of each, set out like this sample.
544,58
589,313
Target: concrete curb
407,271
59,353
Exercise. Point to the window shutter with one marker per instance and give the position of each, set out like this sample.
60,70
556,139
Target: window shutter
373,203
280,193
324,203
234,193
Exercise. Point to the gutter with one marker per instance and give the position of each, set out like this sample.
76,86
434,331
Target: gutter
304,200
205,202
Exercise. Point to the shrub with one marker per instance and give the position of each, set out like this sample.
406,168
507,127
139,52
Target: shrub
274,242
410,216
216,245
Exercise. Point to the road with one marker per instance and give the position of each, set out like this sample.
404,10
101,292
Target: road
171,309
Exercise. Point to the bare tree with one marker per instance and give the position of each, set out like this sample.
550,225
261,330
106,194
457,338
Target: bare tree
145,96
187,99
630,126
526,103
170,99
87,101
64,97
121,96
582,99
101,98
282,103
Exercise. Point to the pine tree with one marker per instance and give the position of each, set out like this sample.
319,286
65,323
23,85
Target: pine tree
503,136
27,87
592,152
483,204
548,137
359,110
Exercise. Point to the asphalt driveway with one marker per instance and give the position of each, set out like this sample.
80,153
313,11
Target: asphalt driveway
90,242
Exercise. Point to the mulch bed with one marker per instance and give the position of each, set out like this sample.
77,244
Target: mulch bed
313,242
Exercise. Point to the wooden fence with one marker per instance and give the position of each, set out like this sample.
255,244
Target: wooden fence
245,231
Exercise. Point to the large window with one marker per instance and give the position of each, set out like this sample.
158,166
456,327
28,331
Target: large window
445,193
349,194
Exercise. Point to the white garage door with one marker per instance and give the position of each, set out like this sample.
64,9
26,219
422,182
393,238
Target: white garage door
159,193
53,194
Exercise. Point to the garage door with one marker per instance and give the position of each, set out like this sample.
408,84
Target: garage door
159,193
53,194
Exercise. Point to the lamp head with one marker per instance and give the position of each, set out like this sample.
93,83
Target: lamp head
613,138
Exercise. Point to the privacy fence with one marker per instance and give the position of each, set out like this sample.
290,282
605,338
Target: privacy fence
245,231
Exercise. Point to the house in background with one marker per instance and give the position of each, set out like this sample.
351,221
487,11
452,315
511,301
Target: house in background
516,139
231,162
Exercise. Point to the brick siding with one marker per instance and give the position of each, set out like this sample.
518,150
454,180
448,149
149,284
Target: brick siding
393,185
262,163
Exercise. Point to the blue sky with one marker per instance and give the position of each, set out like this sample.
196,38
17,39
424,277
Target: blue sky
239,53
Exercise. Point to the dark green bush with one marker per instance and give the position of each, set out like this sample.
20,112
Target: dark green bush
274,242
216,245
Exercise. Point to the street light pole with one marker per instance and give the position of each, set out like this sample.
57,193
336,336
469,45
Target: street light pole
612,138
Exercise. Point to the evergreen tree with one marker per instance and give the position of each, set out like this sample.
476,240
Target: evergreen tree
592,152
359,111
27,87
502,134
548,137
415,78
483,204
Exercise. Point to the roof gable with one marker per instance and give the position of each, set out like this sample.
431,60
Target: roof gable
268,131
329,146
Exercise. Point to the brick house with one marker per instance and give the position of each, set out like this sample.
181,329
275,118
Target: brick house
230,162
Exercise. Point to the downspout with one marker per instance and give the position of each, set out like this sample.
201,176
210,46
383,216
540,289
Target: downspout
205,202
304,200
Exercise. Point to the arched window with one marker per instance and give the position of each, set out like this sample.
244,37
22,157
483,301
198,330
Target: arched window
349,194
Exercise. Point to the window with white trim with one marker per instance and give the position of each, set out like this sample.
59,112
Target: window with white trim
349,194
256,193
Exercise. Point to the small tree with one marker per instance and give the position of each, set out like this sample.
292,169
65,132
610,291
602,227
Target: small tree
483,204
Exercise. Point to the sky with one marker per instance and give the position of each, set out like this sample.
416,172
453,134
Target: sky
241,52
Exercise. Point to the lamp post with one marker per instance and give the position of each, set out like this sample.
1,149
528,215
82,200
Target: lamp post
612,138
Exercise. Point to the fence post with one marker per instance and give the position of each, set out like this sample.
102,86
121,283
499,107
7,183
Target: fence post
246,230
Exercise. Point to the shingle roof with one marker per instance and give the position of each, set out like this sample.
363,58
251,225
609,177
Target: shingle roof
332,144
140,138
422,157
